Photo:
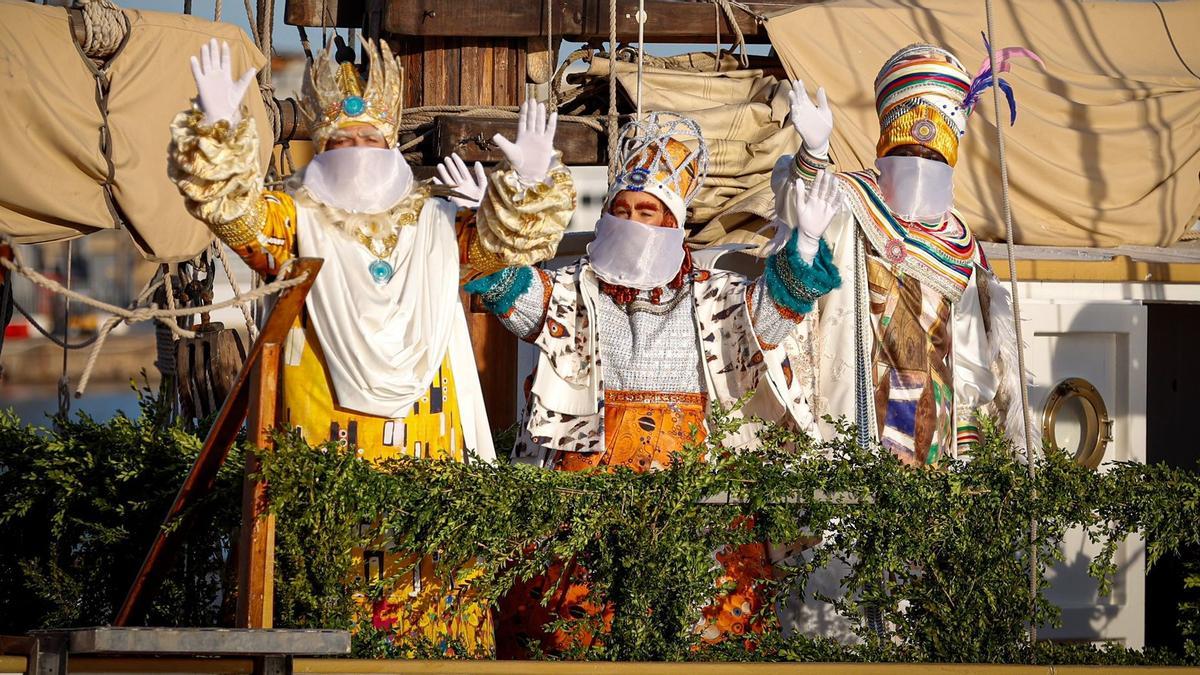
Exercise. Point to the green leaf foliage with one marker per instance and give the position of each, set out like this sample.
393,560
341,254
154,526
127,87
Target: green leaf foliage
941,555
79,505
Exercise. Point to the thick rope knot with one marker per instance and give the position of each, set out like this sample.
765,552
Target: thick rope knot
104,29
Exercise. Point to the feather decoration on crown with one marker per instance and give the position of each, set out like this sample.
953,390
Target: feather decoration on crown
985,78
334,95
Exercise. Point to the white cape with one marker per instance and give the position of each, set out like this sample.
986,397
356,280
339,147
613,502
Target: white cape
383,343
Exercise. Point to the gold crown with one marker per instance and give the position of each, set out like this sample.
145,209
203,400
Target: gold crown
334,96
679,160
664,155
918,124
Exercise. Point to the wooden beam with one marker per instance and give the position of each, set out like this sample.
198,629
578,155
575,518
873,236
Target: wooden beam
501,18
331,13
256,549
221,436
575,20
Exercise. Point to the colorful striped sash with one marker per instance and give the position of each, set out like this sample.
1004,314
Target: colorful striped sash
942,255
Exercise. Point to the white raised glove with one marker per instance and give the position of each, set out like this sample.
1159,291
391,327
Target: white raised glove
814,122
813,211
533,151
453,173
220,97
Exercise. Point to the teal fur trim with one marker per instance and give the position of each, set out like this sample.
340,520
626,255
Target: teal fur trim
499,291
794,284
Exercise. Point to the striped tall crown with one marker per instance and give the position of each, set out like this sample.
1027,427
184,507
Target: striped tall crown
919,97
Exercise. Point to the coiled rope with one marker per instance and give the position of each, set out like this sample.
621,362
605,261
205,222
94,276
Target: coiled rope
103,29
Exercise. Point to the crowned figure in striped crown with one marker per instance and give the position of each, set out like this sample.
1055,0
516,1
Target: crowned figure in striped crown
920,337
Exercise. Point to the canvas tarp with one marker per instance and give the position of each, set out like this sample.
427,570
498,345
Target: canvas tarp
1106,147
53,170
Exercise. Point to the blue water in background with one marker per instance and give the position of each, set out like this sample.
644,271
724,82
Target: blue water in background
34,404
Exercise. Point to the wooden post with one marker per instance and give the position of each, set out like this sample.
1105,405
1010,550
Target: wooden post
260,373
472,71
256,549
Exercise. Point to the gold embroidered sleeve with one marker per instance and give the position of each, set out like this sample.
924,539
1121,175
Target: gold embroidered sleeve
273,222
521,223
474,261
216,168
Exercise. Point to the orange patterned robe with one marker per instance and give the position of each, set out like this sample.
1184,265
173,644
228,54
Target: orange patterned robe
642,436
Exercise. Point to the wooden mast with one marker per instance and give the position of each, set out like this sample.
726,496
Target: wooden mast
462,71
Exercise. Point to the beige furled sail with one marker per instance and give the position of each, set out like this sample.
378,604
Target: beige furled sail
54,171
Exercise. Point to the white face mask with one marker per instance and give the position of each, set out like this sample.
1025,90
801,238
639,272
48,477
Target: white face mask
359,179
628,253
915,188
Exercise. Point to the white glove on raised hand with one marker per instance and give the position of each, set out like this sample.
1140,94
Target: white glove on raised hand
220,97
813,211
453,173
814,122
531,155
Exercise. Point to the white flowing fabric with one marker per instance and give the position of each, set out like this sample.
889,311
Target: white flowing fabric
359,179
384,342
628,253
916,188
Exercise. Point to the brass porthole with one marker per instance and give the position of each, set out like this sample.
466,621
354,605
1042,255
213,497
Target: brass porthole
1076,420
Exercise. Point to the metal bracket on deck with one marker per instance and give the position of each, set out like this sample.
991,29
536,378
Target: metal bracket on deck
44,654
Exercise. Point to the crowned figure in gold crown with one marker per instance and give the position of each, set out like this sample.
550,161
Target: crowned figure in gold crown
380,359
923,336
638,343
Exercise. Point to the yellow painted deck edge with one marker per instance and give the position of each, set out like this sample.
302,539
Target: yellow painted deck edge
1119,269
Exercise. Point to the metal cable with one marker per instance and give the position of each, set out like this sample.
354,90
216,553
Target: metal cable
641,53
64,382
51,336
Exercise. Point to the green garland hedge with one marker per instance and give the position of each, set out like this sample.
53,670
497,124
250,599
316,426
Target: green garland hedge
941,554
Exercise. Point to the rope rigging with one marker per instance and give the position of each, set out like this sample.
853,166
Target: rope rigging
142,309
1016,306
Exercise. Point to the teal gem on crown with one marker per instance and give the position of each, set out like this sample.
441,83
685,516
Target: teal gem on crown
381,271
353,105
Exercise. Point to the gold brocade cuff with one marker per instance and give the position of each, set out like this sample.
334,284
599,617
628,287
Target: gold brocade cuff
522,224
216,167
222,131
244,229
482,261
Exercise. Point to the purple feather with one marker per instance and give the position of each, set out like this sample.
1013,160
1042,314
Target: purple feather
985,78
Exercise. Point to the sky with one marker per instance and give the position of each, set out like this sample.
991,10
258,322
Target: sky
287,39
